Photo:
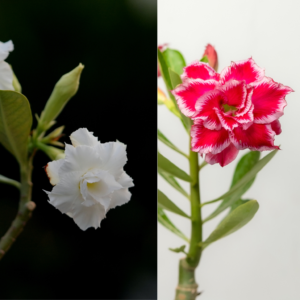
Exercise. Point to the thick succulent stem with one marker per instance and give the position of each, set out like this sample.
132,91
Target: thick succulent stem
187,287
26,206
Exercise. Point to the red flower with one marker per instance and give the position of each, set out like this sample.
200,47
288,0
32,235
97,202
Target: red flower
234,110
212,56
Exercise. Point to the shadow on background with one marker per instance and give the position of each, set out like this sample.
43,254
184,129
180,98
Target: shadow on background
116,41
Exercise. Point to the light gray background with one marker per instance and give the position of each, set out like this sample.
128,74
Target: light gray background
262,260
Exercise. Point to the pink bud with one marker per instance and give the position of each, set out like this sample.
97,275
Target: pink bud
161,48
212,56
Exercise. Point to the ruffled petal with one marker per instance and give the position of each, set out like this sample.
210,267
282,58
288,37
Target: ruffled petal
235,93
246,117
212,122
189,92
119,197
199,70
205,140
276,126
269,100
224,157
83,137
246,70
258,137
228,122
52,170
5,48
125,180
6,76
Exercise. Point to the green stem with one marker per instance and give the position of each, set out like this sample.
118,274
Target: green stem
12,182
26,206
187,287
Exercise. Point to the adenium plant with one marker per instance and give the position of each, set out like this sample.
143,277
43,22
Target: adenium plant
222,113
87,176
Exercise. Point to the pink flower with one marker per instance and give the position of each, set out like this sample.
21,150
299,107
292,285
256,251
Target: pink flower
212,56
234,110
161,48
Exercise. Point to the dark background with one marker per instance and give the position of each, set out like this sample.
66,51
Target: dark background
116,41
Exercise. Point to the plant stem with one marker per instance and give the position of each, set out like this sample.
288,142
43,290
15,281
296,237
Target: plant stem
26,206
187,287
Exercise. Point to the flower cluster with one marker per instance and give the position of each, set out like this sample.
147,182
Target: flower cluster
6,74
234,110
90,180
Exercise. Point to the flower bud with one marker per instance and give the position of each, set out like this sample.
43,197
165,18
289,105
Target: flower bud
52,152
212,56
63,91
161,48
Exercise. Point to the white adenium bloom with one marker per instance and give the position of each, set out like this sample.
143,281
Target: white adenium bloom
90,180
6,74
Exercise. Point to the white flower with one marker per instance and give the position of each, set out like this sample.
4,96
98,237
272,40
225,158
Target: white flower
6,74
90,180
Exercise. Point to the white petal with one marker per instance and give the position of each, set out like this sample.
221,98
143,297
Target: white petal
5,48
65,195
120,197
83,137
86,217
6,76
113,157
125,180
52,170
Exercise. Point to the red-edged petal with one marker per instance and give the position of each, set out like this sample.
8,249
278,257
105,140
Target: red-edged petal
268,100
189,92
224,157
228,122
276,126
257,137
205,140
206,104
235,93
199,70
246,70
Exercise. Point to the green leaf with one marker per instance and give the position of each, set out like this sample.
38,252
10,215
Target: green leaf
250,175
174,183
164,202
245,164
7,180
238,203
15,124
167,142
165,221
174,60
204,59
179,249
165,165
235,220
175,78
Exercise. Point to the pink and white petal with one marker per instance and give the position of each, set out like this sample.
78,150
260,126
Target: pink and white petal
269,100
235,93
119,197
246,70
88,216
83,137
206,105
224,157
6,76
258,137
199,70
52,170
113,157
227,122
247,117
205,140
189,92
212,122
276,126
247,104
66,192
125,180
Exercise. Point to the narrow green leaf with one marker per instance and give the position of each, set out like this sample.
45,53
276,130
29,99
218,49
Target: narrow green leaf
165,221
174,183
175,78
238,203
179,249
15,123
167,142
232,222
164,70
245,164
174,60
167,166
7,180
164,202
250,175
